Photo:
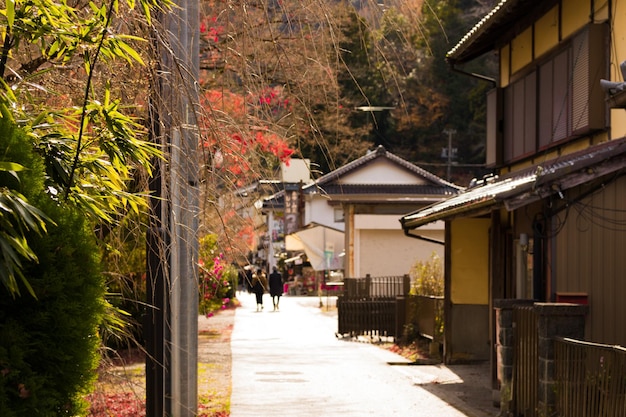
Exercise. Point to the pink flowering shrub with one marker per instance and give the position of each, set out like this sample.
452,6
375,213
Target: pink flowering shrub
217,278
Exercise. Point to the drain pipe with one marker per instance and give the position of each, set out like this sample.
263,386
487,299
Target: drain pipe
491,80
453,67
424,238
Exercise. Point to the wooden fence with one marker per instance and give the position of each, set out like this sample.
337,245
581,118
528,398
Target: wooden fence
591,379
563,377
373,306
376,287
426,312
525,364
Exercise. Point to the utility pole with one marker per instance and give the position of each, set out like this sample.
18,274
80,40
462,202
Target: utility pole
171,325
450,132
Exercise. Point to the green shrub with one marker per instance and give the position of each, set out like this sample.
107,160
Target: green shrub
427,277
49,345
125,311
124,266
427,281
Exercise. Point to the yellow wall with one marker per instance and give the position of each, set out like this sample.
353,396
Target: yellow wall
601,11
618,38
574,16
547,32
544,35
469,269
618,55
505,68
618,123
522,50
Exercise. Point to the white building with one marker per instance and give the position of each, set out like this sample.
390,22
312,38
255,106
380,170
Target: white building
364,199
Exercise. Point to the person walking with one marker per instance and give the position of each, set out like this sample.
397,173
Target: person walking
276,287
259,285
248,278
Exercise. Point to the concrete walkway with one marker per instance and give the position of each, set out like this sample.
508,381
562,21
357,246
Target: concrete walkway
289,363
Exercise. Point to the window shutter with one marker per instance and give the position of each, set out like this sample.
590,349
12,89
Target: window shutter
580,96
494,134
561,100
588,67
509,123
530,114
545,104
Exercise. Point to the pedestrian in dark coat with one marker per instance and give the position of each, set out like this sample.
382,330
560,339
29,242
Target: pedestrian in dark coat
249,274
259,286
276,287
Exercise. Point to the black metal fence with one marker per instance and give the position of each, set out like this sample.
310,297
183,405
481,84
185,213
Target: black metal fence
373,306
591,379
525,364
376,287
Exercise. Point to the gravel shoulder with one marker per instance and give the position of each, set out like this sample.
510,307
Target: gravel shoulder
215,363
121,385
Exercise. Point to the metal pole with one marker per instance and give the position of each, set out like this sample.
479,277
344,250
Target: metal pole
154,323
172,333
450,132
184,30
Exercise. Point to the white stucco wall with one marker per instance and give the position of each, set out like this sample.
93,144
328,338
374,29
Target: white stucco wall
297,170
317,210
381,171
382,249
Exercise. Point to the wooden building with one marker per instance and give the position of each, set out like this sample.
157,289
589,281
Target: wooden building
550,223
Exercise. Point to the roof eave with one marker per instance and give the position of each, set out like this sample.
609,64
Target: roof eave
475,208
532,184
386,199
503,21
466,49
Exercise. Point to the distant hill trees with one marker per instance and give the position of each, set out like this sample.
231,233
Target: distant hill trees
304,69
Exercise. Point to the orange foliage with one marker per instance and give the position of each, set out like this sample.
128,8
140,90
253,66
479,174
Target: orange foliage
234,137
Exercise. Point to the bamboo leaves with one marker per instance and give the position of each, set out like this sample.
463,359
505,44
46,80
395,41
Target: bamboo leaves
91,142
17,217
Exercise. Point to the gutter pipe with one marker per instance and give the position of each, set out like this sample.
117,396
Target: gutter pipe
481,77
427,239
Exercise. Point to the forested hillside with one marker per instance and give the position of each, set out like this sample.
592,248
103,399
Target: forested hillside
330,79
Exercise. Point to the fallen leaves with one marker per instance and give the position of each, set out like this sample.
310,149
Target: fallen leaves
116,404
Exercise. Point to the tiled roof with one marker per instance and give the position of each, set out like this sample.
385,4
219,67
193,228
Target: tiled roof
437,187
503,19
403,189
381,152
520,188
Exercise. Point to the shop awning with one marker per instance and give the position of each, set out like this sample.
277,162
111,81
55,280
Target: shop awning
295,259
322,245
521,188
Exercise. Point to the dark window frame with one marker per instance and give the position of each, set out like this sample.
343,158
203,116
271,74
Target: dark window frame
555,99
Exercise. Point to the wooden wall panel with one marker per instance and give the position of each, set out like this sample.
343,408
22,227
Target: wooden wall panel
590,257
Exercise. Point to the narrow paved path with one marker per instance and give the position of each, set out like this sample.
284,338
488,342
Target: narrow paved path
289,363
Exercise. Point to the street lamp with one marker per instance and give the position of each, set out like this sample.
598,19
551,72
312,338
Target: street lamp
372,109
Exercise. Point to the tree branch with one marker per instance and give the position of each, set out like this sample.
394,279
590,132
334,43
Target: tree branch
6,47
83,115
